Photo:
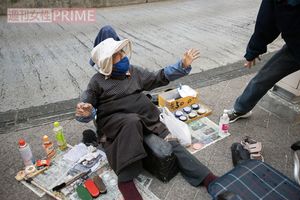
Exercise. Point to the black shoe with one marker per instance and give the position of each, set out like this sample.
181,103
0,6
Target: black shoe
239,154
89,137
233,115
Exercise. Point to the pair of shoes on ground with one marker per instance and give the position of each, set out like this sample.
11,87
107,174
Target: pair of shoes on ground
247,149
253,147
233,115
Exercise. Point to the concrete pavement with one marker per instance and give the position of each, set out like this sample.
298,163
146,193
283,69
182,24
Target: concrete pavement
275,134
44,64
44,68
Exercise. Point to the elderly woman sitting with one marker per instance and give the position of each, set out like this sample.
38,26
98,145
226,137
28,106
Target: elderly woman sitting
125,114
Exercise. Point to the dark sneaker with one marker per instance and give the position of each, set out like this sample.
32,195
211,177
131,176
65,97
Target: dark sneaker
239,154
233,115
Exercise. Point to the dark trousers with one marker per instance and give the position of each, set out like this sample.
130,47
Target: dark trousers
190,167
279,66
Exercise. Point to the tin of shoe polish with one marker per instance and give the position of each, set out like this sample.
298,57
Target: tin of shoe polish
183,118
195,106
201,111
178,113
187,109
192,115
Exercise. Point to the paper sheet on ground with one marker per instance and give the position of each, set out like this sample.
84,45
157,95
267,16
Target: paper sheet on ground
60,171
110,180
204,132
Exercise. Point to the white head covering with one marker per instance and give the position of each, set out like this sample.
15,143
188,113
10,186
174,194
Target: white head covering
102,53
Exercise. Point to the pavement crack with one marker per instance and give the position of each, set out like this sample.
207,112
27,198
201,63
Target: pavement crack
50,52
268,121
74,82
31,60
170,189
61,27
80,68
227,51
2,92
155,61
81,42
210,59
143,46
87,37
196,194
38,25
145,41
1,55
39,78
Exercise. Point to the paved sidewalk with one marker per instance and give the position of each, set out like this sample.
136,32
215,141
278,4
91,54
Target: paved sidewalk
275,134
48,63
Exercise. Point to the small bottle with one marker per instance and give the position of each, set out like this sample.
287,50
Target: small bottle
48,146
59,135
26,153
224,123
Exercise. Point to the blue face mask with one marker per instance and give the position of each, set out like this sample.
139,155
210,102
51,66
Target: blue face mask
121,67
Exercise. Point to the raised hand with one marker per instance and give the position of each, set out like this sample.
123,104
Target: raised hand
189,56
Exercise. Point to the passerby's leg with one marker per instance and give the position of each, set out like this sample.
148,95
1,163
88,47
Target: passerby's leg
279,66
190,167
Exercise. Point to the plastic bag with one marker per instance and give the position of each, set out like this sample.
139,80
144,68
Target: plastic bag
176,127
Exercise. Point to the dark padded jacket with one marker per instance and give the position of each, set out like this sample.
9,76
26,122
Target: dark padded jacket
275,17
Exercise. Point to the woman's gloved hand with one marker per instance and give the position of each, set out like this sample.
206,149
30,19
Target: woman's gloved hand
189,56
84,109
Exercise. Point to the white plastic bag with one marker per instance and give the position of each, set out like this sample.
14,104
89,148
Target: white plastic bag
186,91
176,127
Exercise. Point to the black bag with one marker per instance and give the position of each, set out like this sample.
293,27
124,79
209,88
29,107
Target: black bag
161,161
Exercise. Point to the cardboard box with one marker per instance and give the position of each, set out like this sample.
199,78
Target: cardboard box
174,102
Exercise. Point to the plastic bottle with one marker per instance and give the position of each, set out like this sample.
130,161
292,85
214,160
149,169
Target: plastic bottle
224,123
59,135
26,153
48,146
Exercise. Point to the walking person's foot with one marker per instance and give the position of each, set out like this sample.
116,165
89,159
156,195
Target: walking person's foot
233,115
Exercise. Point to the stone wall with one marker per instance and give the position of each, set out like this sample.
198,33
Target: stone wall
4,4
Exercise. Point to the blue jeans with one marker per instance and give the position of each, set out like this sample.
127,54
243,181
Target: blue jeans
279,66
